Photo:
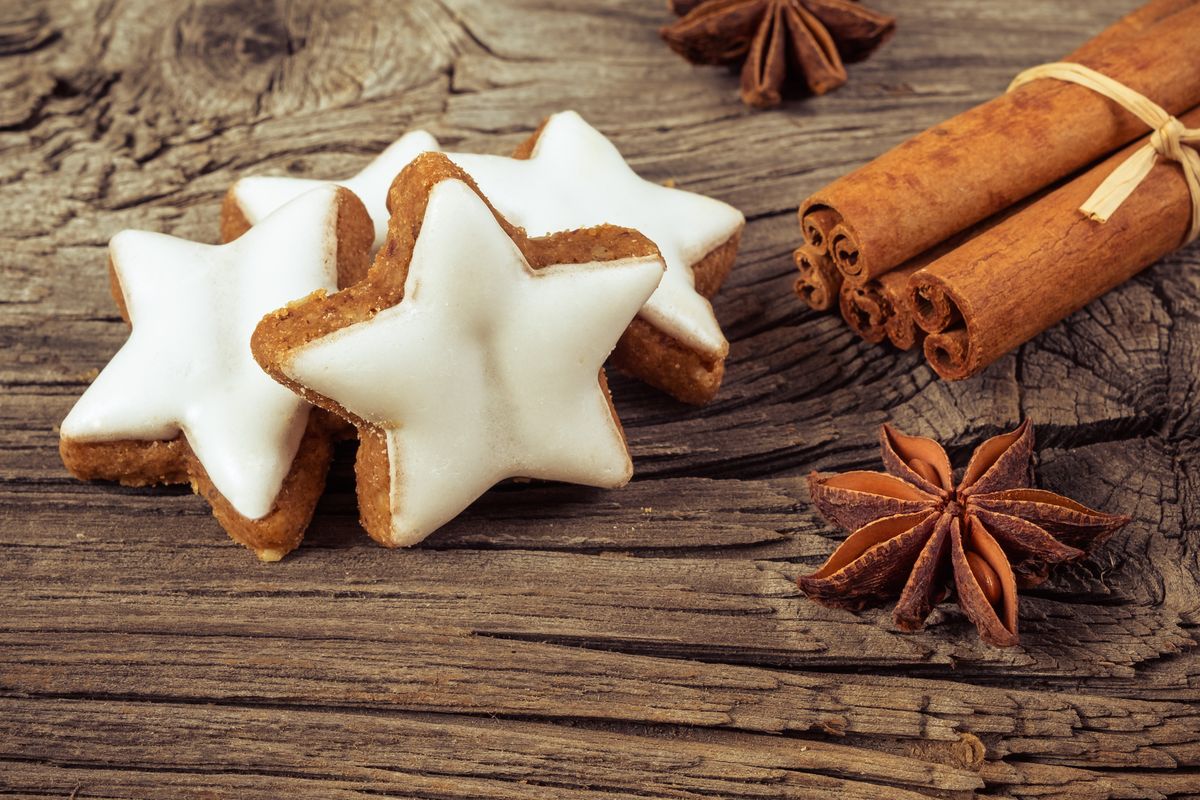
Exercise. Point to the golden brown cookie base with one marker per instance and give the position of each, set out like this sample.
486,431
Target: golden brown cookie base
373,479
130,462
320,314
141,463
712,270
652,355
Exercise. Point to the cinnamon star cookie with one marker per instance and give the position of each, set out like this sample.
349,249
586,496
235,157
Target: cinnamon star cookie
182,401
471,353
568,176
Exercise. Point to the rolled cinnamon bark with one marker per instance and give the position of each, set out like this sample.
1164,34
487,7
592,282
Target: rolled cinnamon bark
881,309
817,227
984,160
819,279
1024,274
902,328
865,311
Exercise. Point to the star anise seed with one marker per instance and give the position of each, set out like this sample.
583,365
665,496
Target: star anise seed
772,37
916,535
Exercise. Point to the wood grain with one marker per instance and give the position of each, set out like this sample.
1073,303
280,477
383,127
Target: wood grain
559,642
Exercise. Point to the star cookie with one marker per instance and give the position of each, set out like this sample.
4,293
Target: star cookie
252,199
183,401
569,176
471,353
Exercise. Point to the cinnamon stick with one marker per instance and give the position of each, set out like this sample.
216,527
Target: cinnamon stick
819,279
984,160
881,309
817,227
1026,273
865,311
902,328
886,302
931,310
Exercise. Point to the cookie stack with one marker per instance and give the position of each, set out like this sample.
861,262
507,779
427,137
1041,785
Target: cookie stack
470,350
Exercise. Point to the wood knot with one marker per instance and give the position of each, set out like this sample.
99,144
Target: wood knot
969,752
228,37
268,39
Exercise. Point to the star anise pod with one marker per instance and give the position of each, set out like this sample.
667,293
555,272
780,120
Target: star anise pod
775,37
917,534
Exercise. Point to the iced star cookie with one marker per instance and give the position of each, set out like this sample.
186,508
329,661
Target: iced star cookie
251,199
183,401
470,354
568,175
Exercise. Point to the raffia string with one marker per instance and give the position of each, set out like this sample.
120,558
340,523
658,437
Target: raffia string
1170,140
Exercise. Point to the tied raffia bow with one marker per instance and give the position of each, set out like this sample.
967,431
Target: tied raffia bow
1171,139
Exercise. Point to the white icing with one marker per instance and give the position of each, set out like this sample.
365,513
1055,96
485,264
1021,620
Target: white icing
187,364
575,179
486,370
259,195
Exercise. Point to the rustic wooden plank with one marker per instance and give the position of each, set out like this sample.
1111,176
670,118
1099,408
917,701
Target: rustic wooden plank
1029,780
450,757
726,517
753,606
738,611
448,671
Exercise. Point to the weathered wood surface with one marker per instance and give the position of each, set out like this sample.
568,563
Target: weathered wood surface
557,642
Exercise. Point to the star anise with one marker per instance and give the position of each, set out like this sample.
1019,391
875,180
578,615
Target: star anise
917,534
773,37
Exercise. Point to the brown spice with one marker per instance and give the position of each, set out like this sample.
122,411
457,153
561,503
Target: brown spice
777,39
1026,273
881,308
918,535
865,311
819,279
951,176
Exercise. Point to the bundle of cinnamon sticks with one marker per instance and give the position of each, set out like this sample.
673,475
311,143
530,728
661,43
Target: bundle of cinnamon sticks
969,236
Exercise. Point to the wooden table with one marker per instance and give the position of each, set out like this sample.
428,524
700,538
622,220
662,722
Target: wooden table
557,642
